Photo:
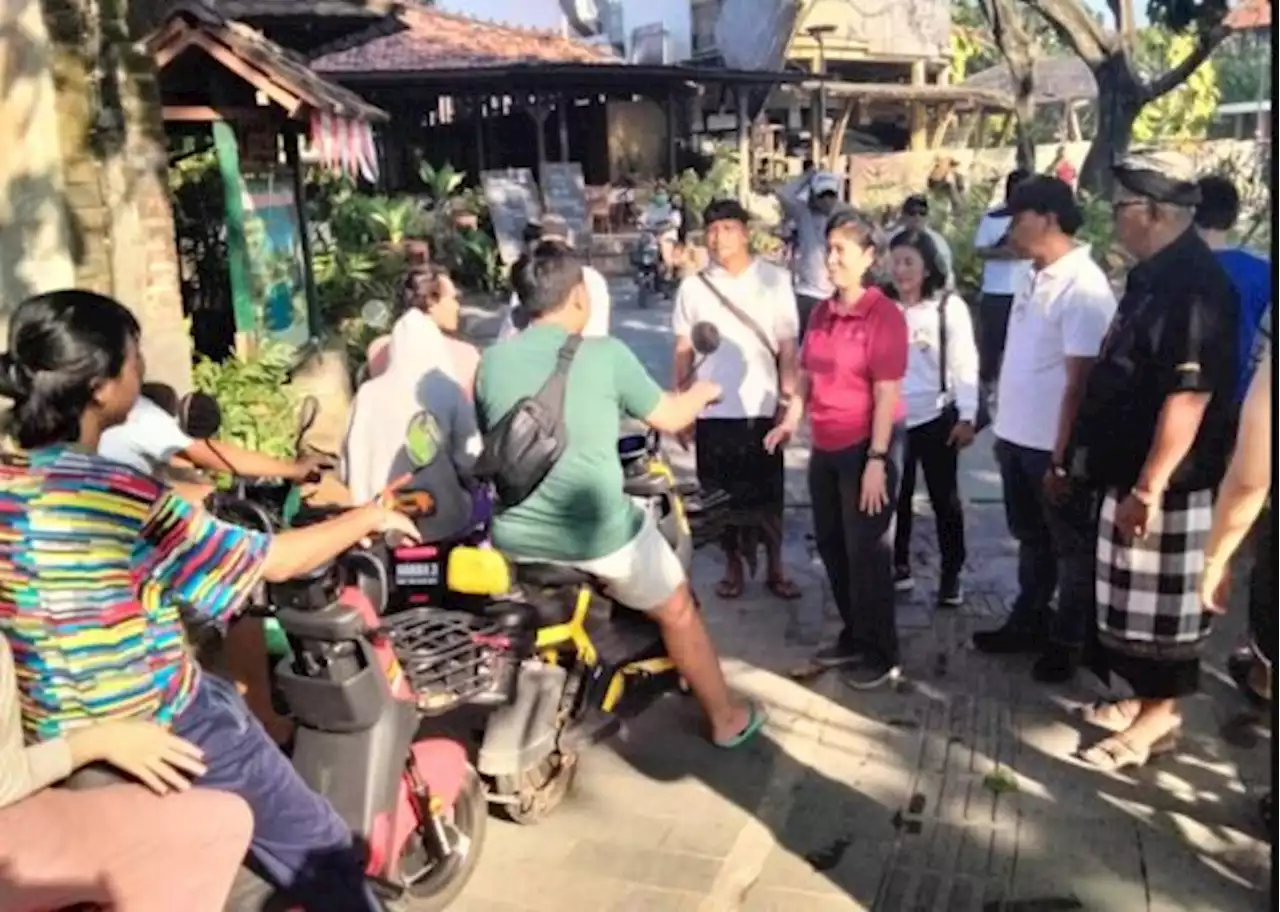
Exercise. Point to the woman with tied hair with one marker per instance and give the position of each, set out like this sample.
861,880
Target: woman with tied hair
852,363
940,390
98,565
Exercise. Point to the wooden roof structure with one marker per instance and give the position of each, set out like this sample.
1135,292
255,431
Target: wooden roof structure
1062,78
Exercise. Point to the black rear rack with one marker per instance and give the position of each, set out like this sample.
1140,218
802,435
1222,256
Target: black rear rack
451,658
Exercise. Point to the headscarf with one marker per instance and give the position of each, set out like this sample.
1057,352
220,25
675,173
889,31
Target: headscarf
414,417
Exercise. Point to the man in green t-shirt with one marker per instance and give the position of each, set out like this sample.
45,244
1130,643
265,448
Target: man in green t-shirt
579,515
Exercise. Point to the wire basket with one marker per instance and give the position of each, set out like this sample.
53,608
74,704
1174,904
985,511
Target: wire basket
452,658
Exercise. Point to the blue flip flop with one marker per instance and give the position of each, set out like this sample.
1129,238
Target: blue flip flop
754,723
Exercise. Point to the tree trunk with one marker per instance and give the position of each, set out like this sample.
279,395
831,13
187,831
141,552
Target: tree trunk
1120,101
1024,113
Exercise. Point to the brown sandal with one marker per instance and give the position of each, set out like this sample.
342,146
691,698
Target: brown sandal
784,588
1108,716
1116,752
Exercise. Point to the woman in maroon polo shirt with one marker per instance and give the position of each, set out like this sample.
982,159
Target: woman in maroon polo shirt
852,364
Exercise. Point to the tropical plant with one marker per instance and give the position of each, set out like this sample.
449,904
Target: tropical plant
259,406
441,183
395,218
720,180
1185,112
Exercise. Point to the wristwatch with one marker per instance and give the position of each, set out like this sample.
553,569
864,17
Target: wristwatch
876,456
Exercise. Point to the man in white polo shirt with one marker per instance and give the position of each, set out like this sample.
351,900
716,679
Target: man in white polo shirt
1004,271
752,304
1056,327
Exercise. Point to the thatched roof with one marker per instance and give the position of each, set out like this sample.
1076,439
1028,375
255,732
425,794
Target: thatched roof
961,95
1055,79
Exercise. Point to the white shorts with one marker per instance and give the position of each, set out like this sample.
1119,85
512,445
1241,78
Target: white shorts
642,575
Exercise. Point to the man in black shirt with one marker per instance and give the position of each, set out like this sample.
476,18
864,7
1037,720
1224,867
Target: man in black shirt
1154,434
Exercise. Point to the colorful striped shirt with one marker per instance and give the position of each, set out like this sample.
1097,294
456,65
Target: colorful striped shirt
98,565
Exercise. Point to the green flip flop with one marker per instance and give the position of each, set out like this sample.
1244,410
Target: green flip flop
754,723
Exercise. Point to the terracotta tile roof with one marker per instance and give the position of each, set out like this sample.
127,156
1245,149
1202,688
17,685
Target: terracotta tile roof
1250,14
428,39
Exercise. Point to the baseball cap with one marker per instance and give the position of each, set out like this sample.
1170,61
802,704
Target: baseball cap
1044,194
824,182
1163,176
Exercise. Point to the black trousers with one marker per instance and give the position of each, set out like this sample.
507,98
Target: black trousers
928,449
805,306
993,326
857,547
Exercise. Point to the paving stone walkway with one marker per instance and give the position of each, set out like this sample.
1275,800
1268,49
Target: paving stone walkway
956,790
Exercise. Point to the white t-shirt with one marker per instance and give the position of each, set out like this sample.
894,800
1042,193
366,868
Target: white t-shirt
922,386
746,371
597,295
999,277
1062,312
148,439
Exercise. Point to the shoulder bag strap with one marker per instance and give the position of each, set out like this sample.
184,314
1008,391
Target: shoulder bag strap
942,343
739,314
552,393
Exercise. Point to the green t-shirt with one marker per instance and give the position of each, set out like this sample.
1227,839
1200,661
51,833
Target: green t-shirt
579,512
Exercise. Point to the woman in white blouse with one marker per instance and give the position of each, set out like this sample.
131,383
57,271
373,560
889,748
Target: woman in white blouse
941,392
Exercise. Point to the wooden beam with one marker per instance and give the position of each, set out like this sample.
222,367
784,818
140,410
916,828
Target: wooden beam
917,112
835,142
946,117
250,74
744,143
208,114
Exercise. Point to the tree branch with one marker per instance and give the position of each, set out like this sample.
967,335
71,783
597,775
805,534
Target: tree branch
1169,80
1077,29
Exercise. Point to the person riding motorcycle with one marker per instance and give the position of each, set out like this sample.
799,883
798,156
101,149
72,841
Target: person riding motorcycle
416,417
579,514
100,561
145,848
663,219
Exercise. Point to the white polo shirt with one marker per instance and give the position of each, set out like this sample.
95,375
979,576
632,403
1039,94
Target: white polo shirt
1063,312
999,277
746,371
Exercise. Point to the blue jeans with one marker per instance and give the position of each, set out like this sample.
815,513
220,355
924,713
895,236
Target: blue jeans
299,841
1057,547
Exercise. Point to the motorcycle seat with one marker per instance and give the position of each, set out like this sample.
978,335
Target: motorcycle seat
551,576
649,484
334,623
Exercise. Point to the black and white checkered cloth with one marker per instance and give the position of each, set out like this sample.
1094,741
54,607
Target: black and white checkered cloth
1149,588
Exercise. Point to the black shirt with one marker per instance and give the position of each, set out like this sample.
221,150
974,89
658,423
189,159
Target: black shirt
1175,330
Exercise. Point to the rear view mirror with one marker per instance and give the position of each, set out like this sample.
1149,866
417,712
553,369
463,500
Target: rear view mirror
199,416
477,571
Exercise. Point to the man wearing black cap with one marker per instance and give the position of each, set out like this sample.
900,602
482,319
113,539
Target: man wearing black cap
1056,327
915,217
1154,435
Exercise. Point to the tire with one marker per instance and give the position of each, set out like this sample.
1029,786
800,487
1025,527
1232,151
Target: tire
541,791
438,890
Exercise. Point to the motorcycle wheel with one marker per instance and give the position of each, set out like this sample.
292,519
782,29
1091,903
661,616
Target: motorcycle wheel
437,889
540,791
644,289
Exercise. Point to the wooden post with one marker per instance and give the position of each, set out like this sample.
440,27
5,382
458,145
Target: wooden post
562,115
744,143
477,111
919,112
671,137
980,136
538,112
291,140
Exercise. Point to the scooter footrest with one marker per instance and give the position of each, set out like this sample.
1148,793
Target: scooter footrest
621,640
592,728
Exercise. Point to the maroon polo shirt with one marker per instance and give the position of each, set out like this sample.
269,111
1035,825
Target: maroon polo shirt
845,353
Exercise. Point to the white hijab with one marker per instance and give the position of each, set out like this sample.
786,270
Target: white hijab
420,378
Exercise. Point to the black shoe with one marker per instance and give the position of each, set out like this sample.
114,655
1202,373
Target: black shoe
902,581
1057,665
950,592
870,674
1240,668
837,655
1009,639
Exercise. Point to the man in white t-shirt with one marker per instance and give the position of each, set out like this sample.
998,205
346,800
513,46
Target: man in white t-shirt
1004,271
808,202
555,228
752,304
1056,327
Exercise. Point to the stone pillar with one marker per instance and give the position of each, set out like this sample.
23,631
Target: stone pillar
108,144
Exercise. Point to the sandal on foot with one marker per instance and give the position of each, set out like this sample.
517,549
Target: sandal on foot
729,589
1114,754
755,721
1107,716
783,588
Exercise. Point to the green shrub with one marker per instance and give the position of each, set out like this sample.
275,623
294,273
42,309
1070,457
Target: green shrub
259,406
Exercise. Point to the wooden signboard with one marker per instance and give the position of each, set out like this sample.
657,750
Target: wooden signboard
513,201
564,192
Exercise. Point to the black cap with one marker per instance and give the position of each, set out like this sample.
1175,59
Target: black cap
917,202
1046,195
725,210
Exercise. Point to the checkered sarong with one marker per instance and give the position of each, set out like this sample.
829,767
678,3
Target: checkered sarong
1149,588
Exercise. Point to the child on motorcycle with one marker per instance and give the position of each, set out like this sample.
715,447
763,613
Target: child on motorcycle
98,559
